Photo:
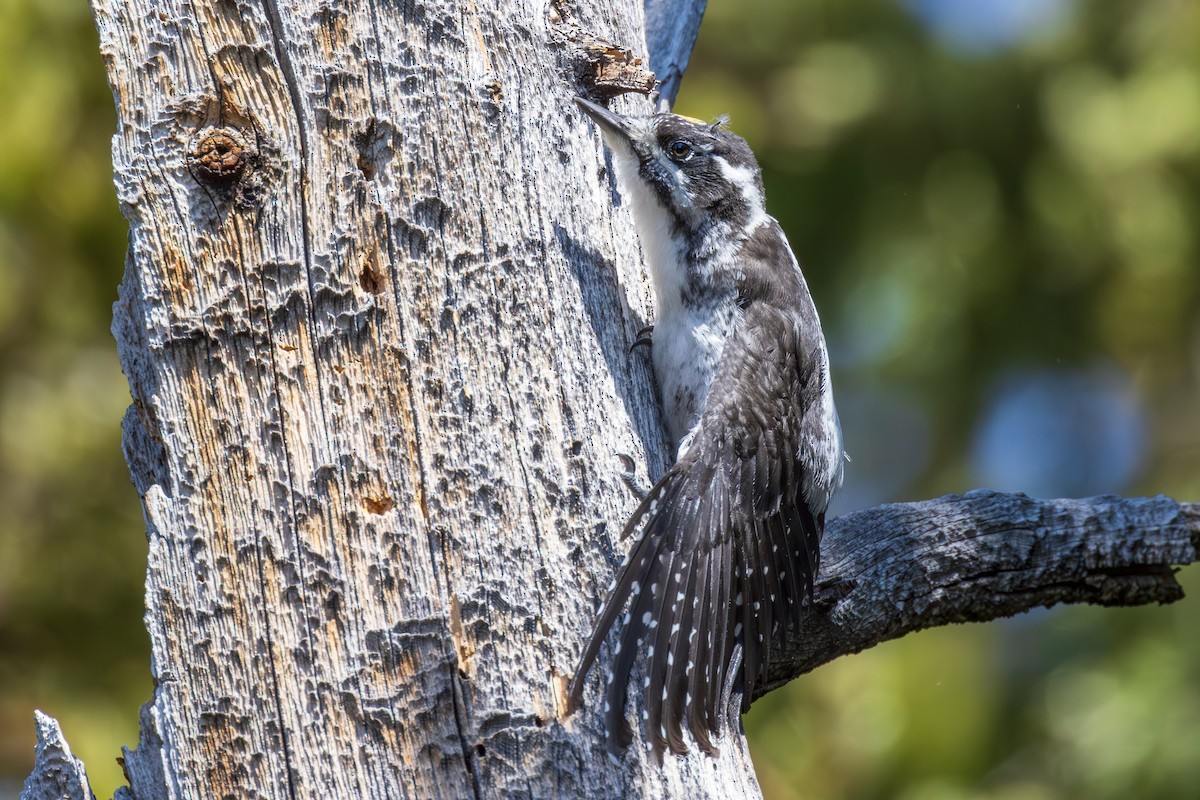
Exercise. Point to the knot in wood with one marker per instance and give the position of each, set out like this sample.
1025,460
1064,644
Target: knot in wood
219,155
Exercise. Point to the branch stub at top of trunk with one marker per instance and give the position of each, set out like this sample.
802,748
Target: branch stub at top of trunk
615,70
601,67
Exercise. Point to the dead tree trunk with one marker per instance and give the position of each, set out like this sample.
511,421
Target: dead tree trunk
374,319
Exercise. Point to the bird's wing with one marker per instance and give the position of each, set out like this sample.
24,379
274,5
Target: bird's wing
726,547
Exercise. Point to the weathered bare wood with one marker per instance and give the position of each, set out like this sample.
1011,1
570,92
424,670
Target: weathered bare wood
375,322
57,775
901,568
374,319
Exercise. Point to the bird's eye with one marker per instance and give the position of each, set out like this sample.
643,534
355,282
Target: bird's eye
679,150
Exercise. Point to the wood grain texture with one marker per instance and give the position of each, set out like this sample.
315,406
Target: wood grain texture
377,302
56,775
899,568
381,381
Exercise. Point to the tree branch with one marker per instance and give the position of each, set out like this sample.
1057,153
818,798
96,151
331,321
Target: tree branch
899,568
372,492
895,569
671,28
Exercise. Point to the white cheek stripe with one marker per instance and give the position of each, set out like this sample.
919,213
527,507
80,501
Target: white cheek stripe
743,179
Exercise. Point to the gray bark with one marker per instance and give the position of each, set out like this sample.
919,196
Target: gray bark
671,29
374,319
899,568
57,775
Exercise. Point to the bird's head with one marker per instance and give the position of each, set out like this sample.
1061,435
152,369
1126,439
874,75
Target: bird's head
701,174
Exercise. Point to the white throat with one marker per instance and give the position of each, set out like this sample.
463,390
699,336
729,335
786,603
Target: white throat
665,255
689,339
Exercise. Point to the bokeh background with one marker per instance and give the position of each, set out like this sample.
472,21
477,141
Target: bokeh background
997,203
998,208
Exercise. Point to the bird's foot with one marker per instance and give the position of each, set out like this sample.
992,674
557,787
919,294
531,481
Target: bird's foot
629,476
833,592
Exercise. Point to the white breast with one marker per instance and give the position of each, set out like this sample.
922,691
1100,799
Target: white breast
688,340
688,344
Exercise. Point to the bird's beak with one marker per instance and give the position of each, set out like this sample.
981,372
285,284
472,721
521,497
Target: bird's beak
615,127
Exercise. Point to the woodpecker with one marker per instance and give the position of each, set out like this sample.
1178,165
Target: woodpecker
727,542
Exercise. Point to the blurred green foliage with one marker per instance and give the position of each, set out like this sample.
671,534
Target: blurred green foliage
72,541
962,212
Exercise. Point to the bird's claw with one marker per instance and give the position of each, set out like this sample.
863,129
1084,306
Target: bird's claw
629,476
833,592
645,338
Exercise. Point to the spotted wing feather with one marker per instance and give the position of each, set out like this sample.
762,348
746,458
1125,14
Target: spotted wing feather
725,545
